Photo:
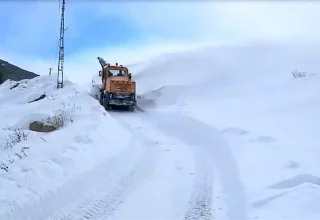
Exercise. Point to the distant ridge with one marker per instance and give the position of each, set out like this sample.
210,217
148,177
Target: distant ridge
12,72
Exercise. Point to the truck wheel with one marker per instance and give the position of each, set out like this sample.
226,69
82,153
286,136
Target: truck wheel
131,108
107,107
101,98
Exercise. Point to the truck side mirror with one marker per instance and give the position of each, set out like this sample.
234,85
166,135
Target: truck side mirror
130,76
100,73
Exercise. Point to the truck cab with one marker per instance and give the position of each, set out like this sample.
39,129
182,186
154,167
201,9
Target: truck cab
118,87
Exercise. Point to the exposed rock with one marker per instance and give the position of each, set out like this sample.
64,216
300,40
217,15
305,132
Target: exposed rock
37,99
14,86
41,127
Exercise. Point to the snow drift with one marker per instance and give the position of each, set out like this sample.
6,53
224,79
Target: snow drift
34,164
266,113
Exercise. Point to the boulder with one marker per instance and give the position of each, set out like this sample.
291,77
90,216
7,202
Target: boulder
41,127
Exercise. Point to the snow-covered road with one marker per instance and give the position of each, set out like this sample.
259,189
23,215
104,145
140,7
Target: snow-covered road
160,170
182,185
166,173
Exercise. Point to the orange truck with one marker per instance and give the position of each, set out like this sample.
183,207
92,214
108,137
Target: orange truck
118,88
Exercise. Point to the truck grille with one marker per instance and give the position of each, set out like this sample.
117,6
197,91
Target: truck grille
122,88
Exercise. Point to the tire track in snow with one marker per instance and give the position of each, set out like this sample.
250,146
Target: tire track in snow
105,200
201,201
175,171
202,137
200,205
115,177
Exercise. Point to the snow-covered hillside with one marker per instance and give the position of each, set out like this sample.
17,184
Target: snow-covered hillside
221,133
35,165
269,119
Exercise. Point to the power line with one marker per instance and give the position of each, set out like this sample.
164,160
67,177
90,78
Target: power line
61,49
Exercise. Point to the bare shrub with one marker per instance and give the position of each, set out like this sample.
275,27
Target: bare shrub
298,74
22,154
23,151
4,166
11,160
19,155
7,144
18,134
72,107
60,119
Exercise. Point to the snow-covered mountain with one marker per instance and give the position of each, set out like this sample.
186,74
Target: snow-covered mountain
225,132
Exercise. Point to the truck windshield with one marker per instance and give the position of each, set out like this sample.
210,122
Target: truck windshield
117,72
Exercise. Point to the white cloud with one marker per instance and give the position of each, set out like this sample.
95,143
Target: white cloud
277,21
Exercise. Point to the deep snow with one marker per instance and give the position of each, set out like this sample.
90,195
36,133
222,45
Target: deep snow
56,158
268,118
225,132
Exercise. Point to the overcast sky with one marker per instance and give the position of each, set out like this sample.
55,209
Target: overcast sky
130,32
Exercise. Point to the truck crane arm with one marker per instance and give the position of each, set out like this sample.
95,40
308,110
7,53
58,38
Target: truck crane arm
102,62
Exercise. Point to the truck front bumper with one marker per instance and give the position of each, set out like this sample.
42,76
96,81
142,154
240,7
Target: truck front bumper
120,100
123,102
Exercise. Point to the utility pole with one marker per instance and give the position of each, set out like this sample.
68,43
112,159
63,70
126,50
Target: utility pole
61,49
50,71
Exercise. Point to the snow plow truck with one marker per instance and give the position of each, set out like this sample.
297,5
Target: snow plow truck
118,89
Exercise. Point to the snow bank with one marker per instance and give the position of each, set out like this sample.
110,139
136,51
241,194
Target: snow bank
267,116
42,163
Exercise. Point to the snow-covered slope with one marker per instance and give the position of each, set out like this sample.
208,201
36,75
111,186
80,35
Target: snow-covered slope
269,119
42,164
227,133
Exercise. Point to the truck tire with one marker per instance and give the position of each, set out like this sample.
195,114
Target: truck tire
107,107
131,108
101,98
